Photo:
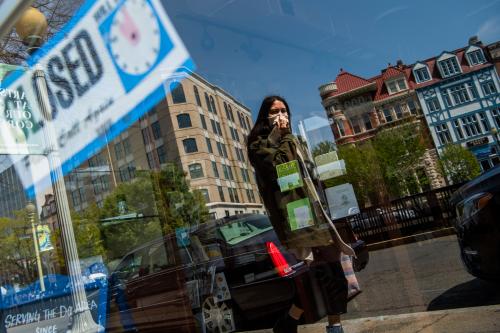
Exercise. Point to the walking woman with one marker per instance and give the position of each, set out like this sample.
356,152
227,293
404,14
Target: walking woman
292,204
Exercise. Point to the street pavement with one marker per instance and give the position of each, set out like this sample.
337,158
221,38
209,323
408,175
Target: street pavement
420,287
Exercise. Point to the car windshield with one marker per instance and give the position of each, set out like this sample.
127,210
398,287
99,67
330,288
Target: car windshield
241,230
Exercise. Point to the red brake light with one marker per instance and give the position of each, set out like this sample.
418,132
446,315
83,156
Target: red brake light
279,261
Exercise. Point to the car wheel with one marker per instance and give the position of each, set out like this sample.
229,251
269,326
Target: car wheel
217,317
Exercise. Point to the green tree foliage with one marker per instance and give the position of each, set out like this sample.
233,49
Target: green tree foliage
181,205
363,172
399,151
153,204
322,148
17,251
385,167
458,164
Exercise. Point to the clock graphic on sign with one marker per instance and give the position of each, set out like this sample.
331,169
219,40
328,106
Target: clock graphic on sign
135,39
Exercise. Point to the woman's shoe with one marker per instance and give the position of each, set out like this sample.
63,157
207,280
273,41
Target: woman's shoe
334,329
286,324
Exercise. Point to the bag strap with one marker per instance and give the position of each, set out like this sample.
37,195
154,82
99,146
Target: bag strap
345,248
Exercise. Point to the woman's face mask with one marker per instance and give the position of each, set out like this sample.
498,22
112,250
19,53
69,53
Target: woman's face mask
278,114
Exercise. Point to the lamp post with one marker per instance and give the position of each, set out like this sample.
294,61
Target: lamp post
31,210
32,27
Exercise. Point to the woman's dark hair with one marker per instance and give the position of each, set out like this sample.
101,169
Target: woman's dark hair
261,126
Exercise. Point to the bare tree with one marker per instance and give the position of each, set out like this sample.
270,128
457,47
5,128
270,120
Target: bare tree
57,12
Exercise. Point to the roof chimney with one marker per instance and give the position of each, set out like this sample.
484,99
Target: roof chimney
399,63
474,40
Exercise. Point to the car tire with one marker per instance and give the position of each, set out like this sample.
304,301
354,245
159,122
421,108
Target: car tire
218,317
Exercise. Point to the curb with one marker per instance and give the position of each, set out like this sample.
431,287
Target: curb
411,239
483,319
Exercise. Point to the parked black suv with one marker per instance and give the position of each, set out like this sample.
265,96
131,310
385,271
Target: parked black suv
477,205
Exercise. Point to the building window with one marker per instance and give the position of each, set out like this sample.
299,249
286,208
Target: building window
242,155
412,107
367,122
215,169
219,129
470,125
495,113
197,95
449,66
458,129
127,148
231,195
232,133
231,114
155,127
219,148
177,93
443,134
204,192
248,122
221,193
203,122
227,111
195,171
398,111
145,136
459,94
387,115
207,100
225,171
184,120
127,172
190,145
244,175
118,151
340,127
484,122
489,88
162,154
212,103
355,125
433,105
422,74
214,127
475,57
392,86
472,90
209,146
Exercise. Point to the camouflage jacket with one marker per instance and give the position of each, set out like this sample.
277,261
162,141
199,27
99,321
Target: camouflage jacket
265,154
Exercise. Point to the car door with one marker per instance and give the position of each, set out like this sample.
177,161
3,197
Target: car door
124,311
163,297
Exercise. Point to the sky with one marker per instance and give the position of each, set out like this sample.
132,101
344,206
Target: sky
252,49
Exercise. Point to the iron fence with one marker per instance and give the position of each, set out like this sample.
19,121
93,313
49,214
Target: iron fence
405,216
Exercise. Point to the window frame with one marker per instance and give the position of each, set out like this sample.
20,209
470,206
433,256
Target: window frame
190,145
198,173
177,93
184,120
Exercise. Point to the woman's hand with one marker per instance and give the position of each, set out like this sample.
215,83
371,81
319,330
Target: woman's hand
281,122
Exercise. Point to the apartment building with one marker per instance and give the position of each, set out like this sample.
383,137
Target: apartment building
358,108
459,94
201,128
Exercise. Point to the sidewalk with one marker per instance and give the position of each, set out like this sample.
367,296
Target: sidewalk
484,319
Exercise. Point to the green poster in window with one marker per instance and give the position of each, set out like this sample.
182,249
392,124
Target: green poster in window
289,176
300,214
